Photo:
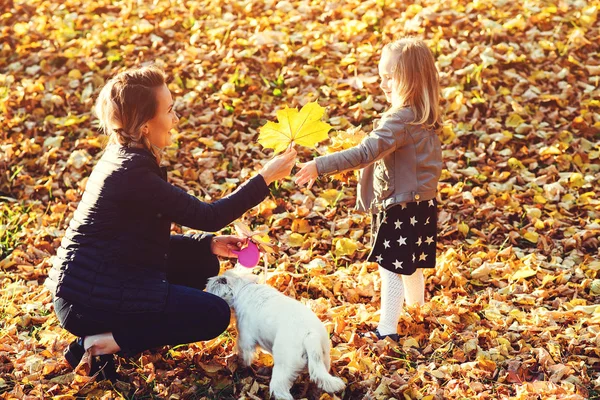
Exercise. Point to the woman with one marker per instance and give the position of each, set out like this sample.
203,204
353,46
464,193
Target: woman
120,281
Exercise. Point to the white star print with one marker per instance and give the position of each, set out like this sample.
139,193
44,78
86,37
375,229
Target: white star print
386,244
430,203
401,241
427,222
418,202
384,220
413,221
403,206
398,224
429,240
379,259
419,242
414,257
397,264
422,257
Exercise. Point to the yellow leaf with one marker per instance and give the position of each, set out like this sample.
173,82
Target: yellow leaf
485,364
463,228
514,120
264,358
75,74
550,151
319,44
21,28
531,236
585,198
448,134
523,273
539,225
296,240
517,23
332,196
143,27
576,180
513,163
303,128
413,10
66,381
228,89
345,247
539,199
211,143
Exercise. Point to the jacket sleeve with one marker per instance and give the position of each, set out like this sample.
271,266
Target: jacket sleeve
386,138
144,188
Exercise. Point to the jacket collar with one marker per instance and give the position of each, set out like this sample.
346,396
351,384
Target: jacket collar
143,152
137,150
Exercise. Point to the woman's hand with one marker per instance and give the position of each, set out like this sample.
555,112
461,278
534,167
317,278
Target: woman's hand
279,167
224,245
308,173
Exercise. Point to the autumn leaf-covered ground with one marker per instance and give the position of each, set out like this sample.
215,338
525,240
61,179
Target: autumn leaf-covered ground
513,307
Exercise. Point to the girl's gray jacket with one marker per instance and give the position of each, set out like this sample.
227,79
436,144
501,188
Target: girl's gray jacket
400,163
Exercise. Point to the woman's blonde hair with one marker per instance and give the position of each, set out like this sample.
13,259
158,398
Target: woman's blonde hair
418,80
126,103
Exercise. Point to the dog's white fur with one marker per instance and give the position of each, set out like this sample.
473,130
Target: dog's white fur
284,327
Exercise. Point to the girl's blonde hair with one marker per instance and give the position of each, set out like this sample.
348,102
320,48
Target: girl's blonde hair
418,80
126,103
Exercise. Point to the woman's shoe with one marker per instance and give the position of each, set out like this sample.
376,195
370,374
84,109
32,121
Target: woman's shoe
104,366
74,352
393,336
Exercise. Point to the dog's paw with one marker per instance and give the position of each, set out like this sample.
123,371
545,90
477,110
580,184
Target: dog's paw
333,385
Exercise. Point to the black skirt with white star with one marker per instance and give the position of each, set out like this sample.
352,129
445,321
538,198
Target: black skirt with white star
405,236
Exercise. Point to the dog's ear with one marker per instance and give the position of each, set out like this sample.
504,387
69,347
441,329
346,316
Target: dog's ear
221,280
220,286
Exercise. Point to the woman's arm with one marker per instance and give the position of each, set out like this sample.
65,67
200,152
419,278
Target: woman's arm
146,190
143,188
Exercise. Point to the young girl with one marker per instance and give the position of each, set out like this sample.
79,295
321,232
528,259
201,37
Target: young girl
401,161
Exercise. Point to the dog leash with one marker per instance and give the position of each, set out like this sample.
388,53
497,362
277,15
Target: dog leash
265,268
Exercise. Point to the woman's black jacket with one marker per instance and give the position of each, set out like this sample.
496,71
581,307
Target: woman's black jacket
115,252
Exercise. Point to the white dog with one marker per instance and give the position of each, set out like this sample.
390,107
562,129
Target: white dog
284,327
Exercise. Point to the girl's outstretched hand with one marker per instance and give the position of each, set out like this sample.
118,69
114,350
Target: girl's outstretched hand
280,166
308,173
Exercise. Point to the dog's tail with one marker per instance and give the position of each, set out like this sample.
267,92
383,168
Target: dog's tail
317,351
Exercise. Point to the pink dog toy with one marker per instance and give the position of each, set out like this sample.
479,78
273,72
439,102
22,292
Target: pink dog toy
249,255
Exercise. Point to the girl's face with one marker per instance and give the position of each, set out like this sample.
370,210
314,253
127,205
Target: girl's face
388,82
158,129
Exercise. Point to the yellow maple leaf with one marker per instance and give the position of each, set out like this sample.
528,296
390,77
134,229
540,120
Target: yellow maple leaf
524,273
303,128
345,247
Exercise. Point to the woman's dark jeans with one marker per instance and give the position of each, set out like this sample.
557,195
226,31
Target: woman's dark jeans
190,314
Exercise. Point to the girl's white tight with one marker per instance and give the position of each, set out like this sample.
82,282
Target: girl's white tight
415,288
393,288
